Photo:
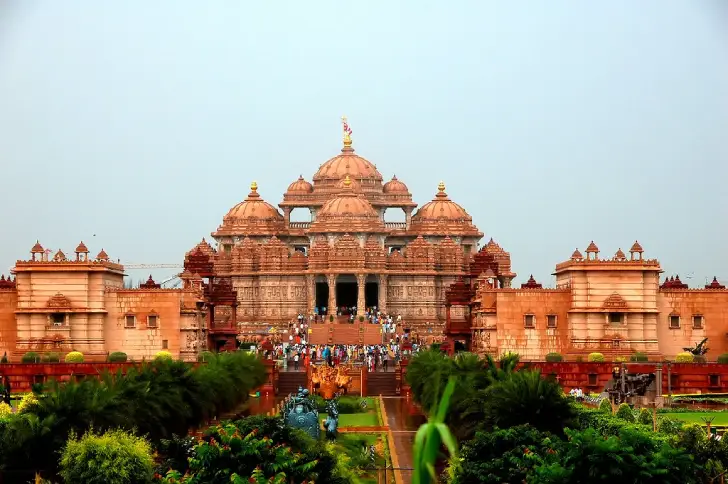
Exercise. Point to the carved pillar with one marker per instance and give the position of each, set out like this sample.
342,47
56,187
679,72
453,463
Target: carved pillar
310,293
408,217
287,216
383,293
361,280
331,278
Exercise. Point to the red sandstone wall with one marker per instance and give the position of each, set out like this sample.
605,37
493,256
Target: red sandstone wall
8,327
711,304
533,344
142,341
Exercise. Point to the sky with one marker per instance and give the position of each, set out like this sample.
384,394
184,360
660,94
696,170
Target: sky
136,125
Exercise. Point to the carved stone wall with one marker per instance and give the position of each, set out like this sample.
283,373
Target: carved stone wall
271,298
416,298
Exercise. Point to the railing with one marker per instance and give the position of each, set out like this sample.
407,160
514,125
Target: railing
395,225
299,225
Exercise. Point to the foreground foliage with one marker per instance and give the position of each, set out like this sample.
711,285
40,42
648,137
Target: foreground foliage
155,400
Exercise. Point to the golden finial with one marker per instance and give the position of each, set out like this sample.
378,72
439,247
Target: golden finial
347,181
441,187
347,131
254,186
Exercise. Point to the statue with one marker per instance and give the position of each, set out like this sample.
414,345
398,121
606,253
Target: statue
331,424
300,412
328,381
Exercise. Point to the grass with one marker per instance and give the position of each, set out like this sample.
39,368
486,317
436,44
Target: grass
369,419
719,418
352,445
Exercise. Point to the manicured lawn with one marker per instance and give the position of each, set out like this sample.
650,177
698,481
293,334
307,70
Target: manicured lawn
369,419
719,418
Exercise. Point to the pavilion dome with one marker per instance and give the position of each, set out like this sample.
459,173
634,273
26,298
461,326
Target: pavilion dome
348,212
395,186
300,186
252,216
443,216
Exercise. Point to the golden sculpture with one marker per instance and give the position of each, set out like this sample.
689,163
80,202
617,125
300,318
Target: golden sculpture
327,381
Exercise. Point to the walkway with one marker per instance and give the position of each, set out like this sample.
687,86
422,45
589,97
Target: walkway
403,421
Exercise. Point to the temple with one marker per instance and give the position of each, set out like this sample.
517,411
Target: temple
262,270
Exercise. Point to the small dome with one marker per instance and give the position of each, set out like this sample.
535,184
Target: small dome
395,186
348,213
441,207
81,248
102,255
37,248
443,216
252,215
636,247
300,186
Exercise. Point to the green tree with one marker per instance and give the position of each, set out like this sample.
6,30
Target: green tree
115,457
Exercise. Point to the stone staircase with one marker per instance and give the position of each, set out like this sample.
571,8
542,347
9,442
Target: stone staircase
382,383
290,381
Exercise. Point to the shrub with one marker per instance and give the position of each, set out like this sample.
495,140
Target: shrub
554,357
331,318
645,417
31,357
638,357
205,356
5,410
669,425
625,413
361,319
606,406
115,457
579,359
26,403
620,359
700,359
347,404
723,358
684,357
52,358
117,357
595,358
74,357
163,355
4,359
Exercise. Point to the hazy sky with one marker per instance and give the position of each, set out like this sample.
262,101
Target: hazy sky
136,125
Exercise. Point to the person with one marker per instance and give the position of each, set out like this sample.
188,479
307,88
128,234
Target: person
295,361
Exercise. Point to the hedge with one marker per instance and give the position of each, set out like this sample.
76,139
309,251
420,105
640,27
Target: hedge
554,357
684,357
117,357
723,358
74,357
31,357
638,357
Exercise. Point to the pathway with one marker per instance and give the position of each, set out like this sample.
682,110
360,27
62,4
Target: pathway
403,422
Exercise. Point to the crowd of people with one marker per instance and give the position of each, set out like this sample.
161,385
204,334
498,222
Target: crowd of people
298,356
370,315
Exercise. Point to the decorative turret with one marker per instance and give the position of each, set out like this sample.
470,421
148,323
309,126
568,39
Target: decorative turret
619,256
59,256
531,284
81,252
150,284
673,283
576,256
715,284
592,251
635,252
102,256
6,283
37,249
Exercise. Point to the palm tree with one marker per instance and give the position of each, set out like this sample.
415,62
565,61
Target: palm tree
526,398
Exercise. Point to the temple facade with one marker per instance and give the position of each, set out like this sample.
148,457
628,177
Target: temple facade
261,270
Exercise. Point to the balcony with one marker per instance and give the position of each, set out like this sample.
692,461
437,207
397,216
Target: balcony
395,225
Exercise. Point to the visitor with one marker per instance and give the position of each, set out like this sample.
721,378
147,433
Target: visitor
295,362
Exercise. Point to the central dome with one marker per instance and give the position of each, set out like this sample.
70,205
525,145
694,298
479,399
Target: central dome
348,163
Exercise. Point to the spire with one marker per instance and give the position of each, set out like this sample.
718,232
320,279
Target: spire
347,132
253,195
441,190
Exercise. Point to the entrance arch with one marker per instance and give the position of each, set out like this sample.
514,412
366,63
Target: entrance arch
322,294
347,291
371,291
